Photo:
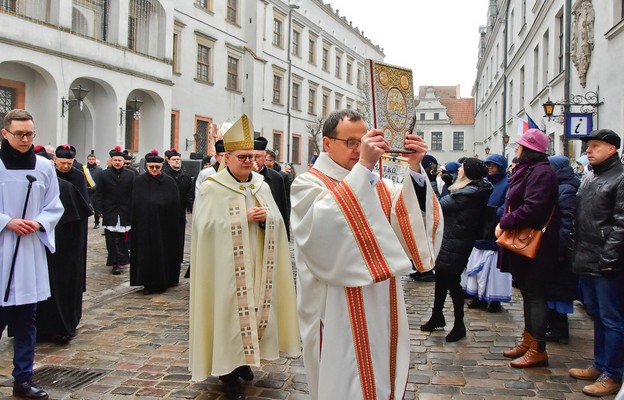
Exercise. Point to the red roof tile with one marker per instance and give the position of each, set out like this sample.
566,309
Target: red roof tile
461,111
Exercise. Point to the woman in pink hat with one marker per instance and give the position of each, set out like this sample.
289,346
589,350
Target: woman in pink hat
530,202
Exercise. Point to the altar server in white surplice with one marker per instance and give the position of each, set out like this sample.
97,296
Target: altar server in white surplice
28,217
242,300
354,236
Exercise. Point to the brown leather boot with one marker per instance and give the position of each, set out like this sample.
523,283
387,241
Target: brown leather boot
520,349
533,357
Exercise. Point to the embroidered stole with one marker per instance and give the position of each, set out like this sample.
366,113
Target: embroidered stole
261,314
379,270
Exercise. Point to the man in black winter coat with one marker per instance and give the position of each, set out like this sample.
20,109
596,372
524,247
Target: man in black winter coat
113,199
599,259
274,179
184,181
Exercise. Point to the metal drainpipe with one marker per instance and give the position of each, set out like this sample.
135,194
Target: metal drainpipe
567,75
505,79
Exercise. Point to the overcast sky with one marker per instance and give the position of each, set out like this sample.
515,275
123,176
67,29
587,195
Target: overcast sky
437,39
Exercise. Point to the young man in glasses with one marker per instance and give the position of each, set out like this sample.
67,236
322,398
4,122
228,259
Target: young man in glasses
113,199
24,274
242,297
155,254
354,236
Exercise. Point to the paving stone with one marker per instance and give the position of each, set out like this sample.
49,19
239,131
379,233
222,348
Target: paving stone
142,343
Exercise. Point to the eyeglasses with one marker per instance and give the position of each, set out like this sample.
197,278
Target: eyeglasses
351,143
245,157
20,135
156,167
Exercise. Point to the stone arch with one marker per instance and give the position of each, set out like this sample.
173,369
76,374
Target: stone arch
40,92
148,131
95,126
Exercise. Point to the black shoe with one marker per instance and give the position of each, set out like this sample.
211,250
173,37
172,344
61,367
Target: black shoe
245,373
96,226
188,273
231,387
494,307
116,270
436,321
458,332
553,335
476,303
428,276
25,390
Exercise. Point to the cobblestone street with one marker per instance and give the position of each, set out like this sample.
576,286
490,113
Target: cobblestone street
139,346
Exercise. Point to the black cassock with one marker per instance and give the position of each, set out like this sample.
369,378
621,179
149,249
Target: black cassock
155,250
58,316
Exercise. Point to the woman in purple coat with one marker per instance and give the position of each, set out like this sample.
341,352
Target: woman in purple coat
530,202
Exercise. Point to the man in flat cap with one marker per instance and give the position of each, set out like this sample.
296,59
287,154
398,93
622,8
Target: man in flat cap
113,200
274,179
242,295
599,260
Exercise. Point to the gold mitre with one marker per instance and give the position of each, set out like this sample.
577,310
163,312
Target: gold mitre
240,136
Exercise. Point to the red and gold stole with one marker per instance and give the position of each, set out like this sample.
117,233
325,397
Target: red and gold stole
380,271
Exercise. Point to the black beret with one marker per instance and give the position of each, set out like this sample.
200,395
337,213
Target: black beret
153,157
116,152
65,151
172,153
219,146
260,143
41,151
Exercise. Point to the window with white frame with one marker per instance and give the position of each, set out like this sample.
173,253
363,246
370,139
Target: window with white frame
436,140
458,141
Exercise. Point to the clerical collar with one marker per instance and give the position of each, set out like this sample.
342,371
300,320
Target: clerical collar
248,179
13,159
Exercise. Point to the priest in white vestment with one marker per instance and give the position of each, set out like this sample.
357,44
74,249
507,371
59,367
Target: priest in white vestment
355,235
242,302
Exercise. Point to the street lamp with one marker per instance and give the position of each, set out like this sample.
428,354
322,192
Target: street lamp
549,108
79,95
487,150
291,7
133,109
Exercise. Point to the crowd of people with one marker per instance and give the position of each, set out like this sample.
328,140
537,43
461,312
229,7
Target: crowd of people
355,234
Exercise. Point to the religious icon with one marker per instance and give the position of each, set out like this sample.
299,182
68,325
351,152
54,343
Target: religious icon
392,103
